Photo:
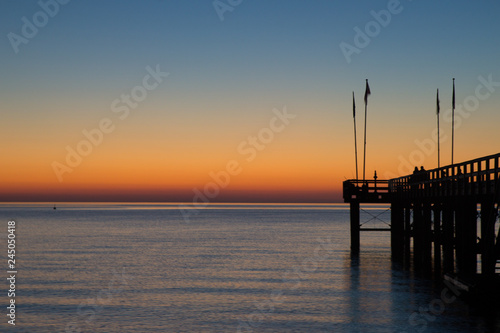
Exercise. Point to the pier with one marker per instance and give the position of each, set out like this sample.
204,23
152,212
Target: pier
443,220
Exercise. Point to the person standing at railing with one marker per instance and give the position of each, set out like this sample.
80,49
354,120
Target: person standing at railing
424,176
414,178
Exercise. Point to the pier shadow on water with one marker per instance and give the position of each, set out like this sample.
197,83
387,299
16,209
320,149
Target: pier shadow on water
385,296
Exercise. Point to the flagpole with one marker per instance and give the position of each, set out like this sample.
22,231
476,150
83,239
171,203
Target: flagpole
355,135
453,122
364,151
437,112
367,92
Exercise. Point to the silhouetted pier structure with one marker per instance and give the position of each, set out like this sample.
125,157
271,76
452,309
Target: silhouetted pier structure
448,214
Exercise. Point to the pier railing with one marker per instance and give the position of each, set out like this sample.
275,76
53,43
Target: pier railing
479,177
369,191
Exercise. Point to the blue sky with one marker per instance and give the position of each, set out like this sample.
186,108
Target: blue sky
283,43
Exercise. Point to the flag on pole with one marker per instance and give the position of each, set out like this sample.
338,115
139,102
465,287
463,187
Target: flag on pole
353,106
367,92
437,102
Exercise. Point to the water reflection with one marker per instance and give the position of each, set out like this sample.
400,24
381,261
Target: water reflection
217,272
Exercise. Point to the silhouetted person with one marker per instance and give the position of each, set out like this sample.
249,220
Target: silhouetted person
423,172
414,177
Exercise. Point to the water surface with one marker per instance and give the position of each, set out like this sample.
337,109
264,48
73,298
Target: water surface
229,268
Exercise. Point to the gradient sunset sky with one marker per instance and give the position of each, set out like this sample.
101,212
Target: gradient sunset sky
257,102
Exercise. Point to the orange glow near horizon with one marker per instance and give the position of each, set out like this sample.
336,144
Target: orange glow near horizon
305,160
295,167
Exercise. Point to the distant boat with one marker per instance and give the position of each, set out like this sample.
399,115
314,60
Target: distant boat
55,207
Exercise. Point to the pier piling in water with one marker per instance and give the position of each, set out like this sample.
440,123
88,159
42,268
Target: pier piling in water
355,236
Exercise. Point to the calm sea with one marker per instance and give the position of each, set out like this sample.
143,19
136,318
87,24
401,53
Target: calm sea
226,268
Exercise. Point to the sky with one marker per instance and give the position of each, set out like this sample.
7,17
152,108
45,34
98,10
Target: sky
237,100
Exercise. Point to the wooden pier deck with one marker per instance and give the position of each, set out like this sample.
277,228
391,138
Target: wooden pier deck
446,217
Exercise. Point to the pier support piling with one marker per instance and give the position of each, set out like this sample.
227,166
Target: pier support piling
487,243
466,234
397,231
355,226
